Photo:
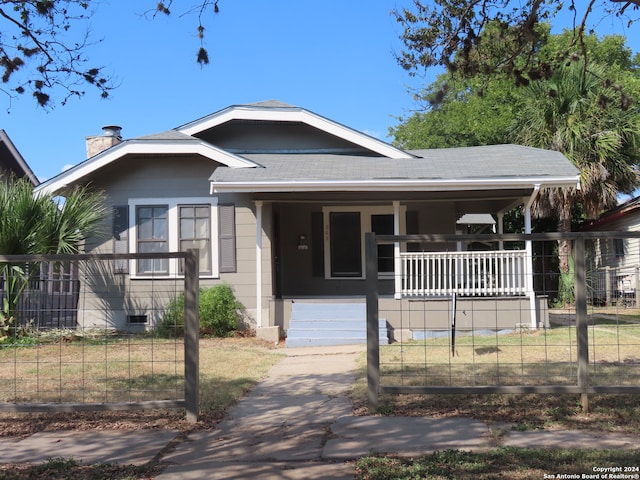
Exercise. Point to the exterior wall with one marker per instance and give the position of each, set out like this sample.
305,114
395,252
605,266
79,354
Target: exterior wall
614,276
434,218
243,280
416,318
169,178
249,136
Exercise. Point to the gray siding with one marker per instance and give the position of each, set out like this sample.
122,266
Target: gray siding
248,136
612,275
173,178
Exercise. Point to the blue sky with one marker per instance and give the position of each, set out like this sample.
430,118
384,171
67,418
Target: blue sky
333,57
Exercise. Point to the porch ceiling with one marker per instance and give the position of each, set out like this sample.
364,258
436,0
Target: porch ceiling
466,201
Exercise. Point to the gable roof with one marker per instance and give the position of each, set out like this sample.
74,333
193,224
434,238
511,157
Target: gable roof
12,160
166,143
623,210
377,165
273,110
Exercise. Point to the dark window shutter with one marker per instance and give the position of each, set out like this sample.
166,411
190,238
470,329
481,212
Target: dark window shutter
227,234
120,233
317,244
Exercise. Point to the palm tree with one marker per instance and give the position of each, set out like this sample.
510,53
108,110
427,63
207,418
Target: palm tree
40,224
587,118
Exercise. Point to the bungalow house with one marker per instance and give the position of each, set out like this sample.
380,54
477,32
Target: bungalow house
278,200
11,160
614,262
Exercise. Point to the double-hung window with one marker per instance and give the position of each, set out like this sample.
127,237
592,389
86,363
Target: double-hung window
174,224
195,232
152,227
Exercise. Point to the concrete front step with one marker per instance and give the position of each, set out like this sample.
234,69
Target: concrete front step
326,324
323,342
328,311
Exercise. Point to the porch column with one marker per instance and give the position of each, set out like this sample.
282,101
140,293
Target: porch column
529,266
259,263
397,265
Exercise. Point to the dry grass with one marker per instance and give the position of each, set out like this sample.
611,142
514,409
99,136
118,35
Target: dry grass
521,358
540,357
228,368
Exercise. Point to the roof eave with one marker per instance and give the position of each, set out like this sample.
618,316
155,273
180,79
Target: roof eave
395,185
140,147
19,159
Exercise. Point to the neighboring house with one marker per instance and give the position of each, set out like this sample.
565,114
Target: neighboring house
278,200
52,298
12,161
615,262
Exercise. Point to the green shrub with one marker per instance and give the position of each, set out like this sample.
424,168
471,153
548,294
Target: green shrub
219,310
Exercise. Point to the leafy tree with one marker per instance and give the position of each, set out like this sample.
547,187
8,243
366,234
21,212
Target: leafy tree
589,114
594,126
40,225
463,36
41,49
455,111
43,45
457,115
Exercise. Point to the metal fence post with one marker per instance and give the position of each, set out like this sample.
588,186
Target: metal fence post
636,287
192,335
373,340
607,285
581,320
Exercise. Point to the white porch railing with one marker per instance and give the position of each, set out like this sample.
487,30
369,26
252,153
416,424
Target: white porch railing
497,272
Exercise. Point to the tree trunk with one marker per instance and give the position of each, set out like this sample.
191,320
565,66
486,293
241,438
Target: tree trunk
564,246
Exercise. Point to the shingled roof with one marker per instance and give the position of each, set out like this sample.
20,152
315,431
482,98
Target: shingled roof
495,164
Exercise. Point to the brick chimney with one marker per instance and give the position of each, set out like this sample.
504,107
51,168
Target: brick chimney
99,143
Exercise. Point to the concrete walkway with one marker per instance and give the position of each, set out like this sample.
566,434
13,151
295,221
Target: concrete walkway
295,424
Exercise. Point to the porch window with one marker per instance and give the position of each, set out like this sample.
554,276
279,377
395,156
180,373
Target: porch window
383,225
151,221
344,229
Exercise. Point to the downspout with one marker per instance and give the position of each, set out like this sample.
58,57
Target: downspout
529,254
259,263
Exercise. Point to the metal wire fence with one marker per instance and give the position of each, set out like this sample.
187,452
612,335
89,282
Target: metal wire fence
80,333
575,332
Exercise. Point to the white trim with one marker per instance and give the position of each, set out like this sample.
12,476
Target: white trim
293,114
396,185
529,264
173,231
397,265
365,226
259,204
142,147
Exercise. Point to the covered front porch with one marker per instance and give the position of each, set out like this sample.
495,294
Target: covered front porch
317,255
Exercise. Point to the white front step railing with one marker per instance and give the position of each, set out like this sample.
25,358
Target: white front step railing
483,273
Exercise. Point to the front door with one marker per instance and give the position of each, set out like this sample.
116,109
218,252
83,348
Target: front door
344,229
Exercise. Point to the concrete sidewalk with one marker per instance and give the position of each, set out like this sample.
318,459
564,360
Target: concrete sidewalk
295,424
